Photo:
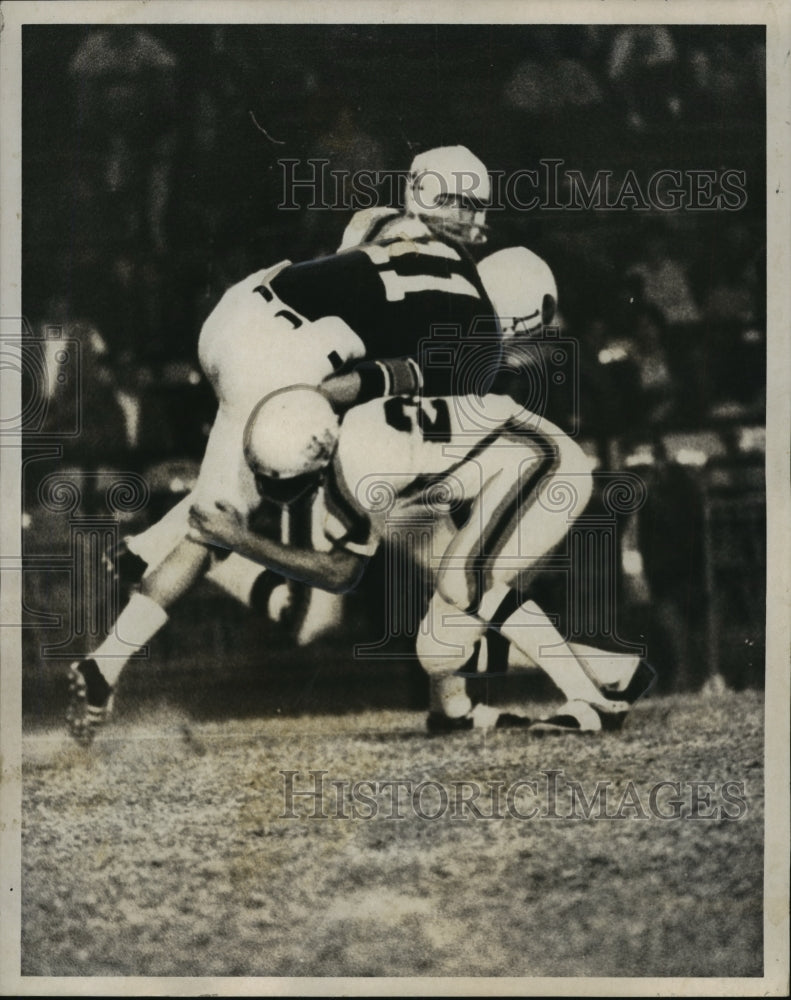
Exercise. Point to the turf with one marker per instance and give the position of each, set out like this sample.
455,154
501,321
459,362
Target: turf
167,848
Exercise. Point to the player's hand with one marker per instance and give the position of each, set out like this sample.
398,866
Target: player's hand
342,390
221,524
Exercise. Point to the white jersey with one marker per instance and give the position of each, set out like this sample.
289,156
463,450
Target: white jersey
482,476
252,344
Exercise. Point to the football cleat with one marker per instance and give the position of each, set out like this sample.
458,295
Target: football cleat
580,717
510,720
479,717
640,683
439,724
90,700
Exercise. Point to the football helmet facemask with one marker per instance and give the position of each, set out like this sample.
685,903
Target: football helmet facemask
448,188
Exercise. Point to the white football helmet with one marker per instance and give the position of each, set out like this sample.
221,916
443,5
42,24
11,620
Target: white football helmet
521,288
289,440
448,188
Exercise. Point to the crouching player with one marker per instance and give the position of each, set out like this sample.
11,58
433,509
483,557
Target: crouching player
489,480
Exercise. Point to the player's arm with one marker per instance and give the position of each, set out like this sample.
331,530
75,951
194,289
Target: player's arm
373,379
222,525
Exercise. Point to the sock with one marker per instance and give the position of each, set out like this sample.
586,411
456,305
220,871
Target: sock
610,669
605,669
531,630
139,622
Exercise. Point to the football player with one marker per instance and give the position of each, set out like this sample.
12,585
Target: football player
297,323
500,489
448,190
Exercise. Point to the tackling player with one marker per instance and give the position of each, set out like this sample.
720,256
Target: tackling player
299,323
447,189
500,489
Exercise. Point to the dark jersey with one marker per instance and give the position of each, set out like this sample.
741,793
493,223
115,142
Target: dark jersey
419,298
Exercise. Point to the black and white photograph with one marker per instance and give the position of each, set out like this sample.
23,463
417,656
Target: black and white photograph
395,485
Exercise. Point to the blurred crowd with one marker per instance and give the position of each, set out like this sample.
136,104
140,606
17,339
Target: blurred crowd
643,74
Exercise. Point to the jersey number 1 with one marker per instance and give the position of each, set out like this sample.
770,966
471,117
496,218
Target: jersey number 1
397,285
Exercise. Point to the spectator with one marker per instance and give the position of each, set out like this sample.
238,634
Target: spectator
84,396
634,377
670,541
124,98
640,69
664,281
730,285
730,298
553,78
717,79
349,148
125,303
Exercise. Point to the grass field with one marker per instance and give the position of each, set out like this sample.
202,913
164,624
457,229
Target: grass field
167,849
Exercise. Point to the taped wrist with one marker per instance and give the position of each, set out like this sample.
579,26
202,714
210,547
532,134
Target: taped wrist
394,377
405,376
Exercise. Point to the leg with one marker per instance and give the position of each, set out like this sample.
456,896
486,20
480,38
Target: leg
176,574
265,593
93,680
608,670
446,642
167,579
531,631
449,641
153,544
528,500
306,611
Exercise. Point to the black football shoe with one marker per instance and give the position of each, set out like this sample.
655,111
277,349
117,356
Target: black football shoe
479,717
90,700
640,684
580,717
439,724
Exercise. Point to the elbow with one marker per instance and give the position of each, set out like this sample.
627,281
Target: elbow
345,575
342,584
